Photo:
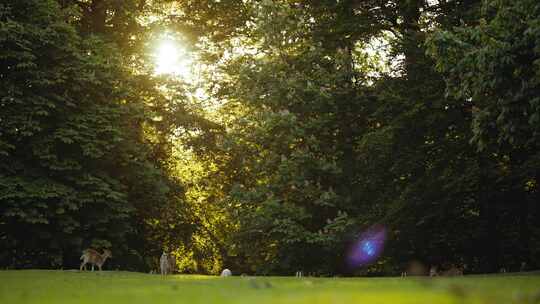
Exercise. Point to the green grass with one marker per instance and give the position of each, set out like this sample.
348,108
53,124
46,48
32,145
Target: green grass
42,286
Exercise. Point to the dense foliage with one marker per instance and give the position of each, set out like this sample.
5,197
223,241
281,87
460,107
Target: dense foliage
319,120
81,159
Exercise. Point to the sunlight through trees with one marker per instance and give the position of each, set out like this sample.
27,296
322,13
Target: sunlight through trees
267,136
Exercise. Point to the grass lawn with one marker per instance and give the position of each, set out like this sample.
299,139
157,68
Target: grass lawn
44,286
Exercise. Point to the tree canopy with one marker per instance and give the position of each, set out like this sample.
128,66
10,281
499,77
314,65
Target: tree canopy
303,125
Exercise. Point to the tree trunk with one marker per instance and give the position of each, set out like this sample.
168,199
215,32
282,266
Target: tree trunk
524,232
489,253
412,38
98,16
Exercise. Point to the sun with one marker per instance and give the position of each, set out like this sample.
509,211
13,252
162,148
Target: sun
171,58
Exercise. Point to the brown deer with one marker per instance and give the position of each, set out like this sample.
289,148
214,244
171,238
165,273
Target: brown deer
453,271
172,263
95,258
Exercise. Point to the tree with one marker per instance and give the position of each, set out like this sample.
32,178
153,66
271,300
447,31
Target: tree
79,167
493,65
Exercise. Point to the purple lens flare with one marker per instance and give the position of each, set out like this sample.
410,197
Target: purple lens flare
368,247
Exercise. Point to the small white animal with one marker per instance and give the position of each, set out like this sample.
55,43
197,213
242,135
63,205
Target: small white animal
226,273
164,264
523,266
95,258
433,271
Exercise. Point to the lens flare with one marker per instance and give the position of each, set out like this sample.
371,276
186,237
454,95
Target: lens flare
368,247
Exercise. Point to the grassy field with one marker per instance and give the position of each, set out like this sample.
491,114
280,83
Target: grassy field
41,286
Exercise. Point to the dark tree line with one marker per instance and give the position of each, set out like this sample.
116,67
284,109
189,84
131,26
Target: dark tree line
326,117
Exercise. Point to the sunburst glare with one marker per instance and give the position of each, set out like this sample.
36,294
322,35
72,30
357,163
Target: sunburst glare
171,58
